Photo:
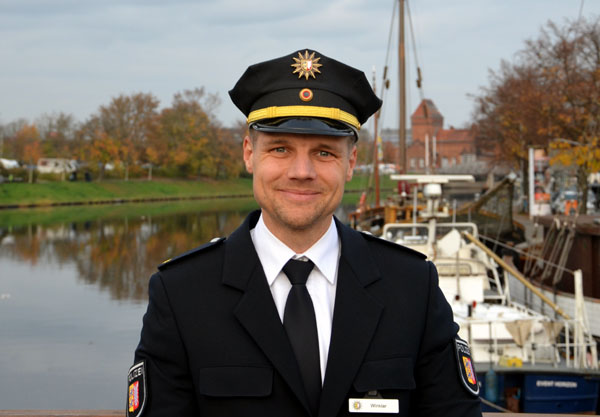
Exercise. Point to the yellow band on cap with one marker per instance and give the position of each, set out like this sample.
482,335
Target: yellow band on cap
304,111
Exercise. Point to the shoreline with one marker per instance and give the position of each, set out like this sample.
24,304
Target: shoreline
117,201
65,194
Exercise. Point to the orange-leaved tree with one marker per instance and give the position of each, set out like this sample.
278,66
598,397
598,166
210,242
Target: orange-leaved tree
189,132
30,148
569,58
549,98
127,122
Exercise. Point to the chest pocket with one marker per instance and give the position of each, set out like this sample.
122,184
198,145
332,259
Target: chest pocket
235,381
386,374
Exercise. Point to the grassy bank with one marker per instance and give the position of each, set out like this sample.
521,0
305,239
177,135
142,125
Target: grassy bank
52,193
79,214
77,192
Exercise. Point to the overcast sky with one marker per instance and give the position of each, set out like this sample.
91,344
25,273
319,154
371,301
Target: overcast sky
72,56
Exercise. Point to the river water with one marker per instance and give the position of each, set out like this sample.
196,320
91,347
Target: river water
73,291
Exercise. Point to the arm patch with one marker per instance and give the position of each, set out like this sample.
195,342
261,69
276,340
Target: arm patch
136,390
466,370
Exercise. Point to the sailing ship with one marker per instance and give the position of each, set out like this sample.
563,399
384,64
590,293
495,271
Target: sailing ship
526,360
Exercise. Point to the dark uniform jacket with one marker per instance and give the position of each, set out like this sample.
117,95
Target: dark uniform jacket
214,345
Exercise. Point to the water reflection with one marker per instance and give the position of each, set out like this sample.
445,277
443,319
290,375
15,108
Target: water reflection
73,290
119,254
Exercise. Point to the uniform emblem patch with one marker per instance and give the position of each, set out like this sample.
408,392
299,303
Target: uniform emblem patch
306,65
469,370
465,366
134,396
136,391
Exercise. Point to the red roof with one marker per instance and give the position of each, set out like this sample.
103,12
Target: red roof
427,110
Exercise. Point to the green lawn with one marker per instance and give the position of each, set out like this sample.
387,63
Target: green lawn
14,218
48,193
68,192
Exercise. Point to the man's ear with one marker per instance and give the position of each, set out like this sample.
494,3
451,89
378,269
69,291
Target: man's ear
248,150
351,163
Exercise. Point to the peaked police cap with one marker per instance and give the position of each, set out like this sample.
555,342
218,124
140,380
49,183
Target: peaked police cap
305,92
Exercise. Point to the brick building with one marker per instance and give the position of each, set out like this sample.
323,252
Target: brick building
450,150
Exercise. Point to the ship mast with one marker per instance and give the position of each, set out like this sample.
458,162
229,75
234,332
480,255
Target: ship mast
376,149
401,90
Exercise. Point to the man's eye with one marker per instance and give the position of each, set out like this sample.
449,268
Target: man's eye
324,154
280,149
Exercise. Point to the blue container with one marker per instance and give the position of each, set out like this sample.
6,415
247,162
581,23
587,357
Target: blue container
491,386
552,393
493,393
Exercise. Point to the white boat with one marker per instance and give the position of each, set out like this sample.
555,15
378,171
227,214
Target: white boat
525,347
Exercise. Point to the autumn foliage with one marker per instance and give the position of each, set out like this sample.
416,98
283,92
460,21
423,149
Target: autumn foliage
549,97
131,136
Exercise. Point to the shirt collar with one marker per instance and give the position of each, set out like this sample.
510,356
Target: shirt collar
274,254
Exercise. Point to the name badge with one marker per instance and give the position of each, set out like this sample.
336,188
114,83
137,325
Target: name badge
373,405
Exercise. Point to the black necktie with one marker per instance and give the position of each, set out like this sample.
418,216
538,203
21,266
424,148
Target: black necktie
301,327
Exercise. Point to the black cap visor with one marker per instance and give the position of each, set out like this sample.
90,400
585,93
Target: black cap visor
305,126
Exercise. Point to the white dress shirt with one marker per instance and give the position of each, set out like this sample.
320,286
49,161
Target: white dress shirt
321,283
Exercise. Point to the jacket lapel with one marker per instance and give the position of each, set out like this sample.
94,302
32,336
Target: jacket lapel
256,310
355,319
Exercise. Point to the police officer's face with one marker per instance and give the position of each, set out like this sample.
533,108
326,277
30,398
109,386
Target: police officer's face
298,179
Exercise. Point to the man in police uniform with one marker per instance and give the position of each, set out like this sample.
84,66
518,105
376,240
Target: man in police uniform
296,314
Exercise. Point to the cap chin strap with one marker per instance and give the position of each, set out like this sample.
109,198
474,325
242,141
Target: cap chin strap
304,111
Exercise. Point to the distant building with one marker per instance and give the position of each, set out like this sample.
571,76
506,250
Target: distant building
391,135
442,150
56,166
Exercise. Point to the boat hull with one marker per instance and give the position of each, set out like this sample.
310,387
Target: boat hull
530,391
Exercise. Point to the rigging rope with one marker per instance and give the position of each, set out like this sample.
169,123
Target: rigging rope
414,45
526,254
385,83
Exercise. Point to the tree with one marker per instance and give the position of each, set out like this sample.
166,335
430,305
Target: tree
510,113
228,151
27,141
552,91
569,59
57,132
191,134
125,123
103,149
10,147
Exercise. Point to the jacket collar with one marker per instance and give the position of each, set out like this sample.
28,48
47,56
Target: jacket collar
355,319
356,252
354,249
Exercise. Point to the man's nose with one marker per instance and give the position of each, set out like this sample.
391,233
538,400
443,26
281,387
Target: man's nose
302,166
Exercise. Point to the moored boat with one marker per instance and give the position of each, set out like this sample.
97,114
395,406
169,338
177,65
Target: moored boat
526,361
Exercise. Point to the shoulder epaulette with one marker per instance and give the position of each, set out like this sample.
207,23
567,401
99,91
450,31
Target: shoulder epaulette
374,238
171,261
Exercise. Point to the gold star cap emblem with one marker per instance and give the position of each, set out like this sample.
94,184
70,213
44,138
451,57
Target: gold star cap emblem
306,65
